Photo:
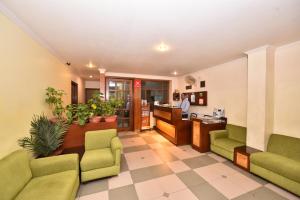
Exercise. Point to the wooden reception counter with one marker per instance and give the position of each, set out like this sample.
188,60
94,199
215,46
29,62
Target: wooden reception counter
170,124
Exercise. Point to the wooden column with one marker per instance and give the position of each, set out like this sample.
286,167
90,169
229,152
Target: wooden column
137,89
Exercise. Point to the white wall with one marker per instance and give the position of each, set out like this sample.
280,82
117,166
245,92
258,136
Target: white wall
287,90
92,84
226,85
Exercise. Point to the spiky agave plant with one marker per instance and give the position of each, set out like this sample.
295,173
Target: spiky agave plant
45,136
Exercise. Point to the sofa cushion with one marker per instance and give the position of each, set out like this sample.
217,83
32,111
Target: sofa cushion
285,146
227,144
57,186
237,133
281,165
99,139
95,159
15,173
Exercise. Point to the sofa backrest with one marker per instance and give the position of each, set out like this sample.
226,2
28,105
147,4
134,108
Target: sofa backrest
99,139
237,133
285,146
15,173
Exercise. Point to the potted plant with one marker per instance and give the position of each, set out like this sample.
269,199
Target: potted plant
82,113
45,136
54,100
71,113
109,109
95,105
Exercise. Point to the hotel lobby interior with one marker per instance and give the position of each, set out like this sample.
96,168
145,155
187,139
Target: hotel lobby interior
150,100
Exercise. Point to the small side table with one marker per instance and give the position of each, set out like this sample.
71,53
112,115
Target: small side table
242,156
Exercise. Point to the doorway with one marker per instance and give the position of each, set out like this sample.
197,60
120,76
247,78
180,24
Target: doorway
89,93
74,92
121,89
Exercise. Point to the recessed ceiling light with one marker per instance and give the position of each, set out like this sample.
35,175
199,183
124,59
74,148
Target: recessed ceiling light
90,65
91,76
175,73
162,47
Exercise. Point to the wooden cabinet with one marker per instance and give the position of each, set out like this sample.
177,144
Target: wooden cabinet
169,123
145,117
200,132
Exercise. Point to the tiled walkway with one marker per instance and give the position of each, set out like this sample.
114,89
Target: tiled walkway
153,168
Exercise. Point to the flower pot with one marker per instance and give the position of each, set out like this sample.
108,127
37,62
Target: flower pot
95,119
111,118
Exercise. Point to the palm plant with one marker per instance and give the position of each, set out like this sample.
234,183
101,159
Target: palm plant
45,136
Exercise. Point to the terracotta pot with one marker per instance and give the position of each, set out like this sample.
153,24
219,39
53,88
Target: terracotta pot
95,119
111,118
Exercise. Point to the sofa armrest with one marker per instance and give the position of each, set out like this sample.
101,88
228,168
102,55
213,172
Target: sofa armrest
116,147
54,164
115,144
217,134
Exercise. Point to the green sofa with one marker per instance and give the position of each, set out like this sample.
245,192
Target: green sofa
23,178
223,142
102,156
280,164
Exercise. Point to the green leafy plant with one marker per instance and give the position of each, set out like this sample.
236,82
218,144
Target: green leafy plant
110,107
71,113
82,113
95,104
45,136
54,100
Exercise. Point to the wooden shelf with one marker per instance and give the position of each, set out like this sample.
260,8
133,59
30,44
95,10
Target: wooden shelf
200,98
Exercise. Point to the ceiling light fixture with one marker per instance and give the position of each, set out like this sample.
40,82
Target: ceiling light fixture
90,65
162,47
91,76
175,73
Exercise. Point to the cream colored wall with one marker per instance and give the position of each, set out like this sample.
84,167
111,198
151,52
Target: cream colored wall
226,85
92,84
287,90
27,69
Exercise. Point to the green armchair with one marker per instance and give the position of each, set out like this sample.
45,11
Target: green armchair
22,178
223,142
102,156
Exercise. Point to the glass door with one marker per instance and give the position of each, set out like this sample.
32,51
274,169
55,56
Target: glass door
121,89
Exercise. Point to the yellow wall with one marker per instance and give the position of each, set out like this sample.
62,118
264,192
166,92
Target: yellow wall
26,70
226,85
287,90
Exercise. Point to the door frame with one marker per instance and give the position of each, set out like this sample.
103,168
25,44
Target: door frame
74,84
131,117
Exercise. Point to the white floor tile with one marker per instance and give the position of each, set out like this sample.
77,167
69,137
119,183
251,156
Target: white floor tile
170,183
96,196
155,188
226,180
148,190
141,159
122,179
183,152
178,166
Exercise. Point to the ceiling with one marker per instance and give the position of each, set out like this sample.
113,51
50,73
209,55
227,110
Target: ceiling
121,35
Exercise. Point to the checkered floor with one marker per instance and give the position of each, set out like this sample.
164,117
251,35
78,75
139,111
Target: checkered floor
153,168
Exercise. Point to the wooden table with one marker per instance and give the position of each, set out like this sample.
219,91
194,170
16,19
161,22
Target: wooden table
242,156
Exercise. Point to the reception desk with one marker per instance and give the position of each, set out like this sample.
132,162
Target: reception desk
170,124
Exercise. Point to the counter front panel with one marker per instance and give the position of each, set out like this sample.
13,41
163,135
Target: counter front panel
169,123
